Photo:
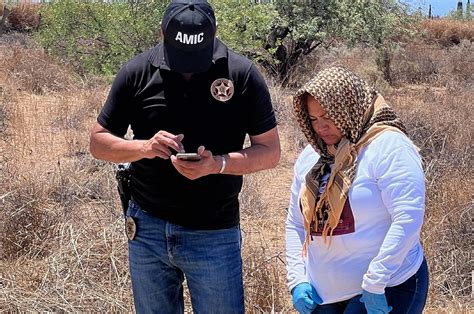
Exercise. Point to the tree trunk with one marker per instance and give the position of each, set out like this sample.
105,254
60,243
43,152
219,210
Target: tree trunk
4,19
384,60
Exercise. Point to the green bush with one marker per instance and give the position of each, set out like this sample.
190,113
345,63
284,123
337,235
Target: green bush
303,26
244,26
97,37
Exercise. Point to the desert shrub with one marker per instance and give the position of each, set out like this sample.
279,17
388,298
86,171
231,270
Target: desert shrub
44,196
244,26
414,63
97,37
447,32
438,121
33,71
459,63
304,26
27,229
23,17
265,291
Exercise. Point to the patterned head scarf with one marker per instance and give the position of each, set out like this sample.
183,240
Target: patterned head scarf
361,114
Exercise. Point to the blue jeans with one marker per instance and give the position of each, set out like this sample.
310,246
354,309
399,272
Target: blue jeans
162,254
406,298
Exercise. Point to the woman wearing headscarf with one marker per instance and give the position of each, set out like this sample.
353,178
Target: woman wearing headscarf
357,204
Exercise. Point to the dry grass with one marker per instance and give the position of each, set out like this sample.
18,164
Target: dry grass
440,124
23,17
33,72
448,32
63,243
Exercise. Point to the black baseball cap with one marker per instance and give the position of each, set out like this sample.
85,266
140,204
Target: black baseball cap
189,27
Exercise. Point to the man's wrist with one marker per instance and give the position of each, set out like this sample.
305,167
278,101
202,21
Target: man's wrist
223,164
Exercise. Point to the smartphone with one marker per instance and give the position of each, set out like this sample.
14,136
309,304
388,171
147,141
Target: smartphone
188,156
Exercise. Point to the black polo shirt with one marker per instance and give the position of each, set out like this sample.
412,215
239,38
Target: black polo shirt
149,97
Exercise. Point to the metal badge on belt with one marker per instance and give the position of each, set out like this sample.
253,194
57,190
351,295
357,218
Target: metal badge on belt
130,228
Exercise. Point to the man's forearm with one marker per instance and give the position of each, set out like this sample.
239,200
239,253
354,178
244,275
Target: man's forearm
108,147
251,159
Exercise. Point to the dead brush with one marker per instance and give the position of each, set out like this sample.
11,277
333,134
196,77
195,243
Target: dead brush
4,96
262,220
87,270
447,32
414,64
27,228
32,71
291,137
24,17
264,274
438,123
459,64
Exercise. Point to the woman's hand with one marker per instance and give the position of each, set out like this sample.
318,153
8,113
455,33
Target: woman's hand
305,298
375,303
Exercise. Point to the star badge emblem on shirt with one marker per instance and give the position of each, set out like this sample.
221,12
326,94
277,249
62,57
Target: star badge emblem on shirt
222,89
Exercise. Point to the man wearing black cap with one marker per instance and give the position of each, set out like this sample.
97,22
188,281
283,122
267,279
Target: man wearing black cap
189,94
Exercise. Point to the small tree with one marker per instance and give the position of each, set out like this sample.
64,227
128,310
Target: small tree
379,24
301,27
244,26
468,10
459,9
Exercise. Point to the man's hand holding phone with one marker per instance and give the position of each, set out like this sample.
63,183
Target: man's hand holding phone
196,165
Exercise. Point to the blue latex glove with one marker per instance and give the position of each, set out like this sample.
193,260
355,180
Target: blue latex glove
375,303
305,298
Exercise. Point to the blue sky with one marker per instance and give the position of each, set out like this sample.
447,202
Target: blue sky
438,7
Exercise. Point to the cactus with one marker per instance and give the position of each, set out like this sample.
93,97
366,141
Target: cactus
468,10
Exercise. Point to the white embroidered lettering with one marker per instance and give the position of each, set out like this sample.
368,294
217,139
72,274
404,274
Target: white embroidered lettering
189,39
200,37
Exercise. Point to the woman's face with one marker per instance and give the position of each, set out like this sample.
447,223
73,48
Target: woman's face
322,125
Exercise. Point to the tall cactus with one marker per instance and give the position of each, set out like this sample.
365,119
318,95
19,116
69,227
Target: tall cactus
468,10
459,10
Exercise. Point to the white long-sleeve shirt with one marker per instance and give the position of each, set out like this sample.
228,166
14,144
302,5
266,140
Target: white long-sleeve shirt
382,249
